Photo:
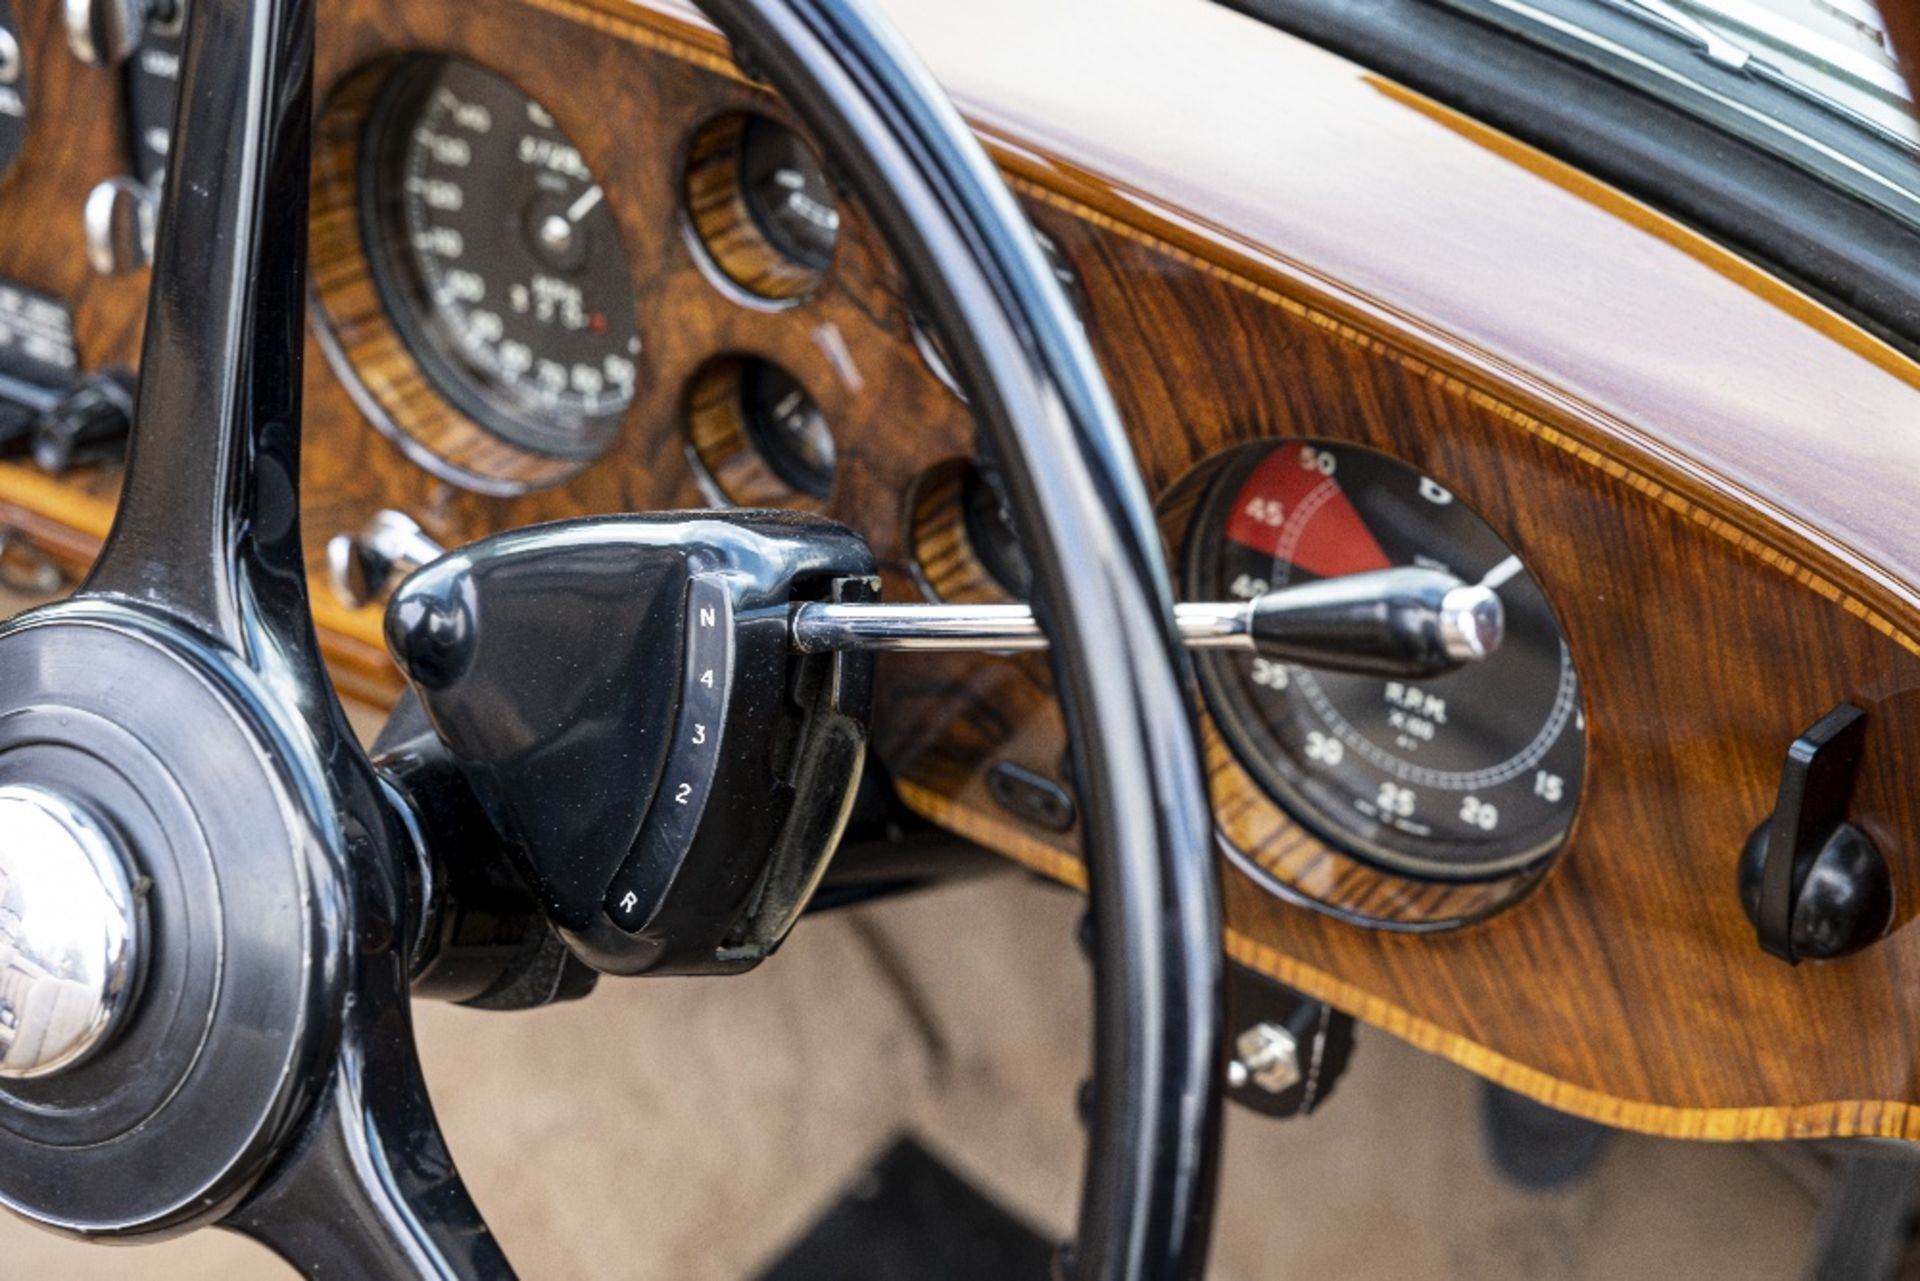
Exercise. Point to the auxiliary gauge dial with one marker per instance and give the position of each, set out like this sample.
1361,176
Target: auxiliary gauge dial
1465,776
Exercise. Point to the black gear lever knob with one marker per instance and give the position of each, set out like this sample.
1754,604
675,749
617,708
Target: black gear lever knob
621,698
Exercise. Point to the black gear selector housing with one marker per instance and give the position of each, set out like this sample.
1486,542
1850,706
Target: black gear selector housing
621,698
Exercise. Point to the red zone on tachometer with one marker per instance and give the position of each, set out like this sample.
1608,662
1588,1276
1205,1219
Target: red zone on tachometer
1334,540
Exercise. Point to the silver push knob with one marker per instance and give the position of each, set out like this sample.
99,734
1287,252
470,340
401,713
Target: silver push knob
119,219
10,61
106,32
363,567
69,933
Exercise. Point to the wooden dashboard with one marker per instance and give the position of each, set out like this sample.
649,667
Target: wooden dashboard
1710,476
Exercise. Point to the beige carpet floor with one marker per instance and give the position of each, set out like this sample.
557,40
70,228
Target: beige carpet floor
688,1129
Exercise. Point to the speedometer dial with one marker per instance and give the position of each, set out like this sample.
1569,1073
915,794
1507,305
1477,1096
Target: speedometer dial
497,256
1466,776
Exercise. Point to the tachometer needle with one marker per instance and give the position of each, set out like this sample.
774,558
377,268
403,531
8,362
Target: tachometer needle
584,205
1496,577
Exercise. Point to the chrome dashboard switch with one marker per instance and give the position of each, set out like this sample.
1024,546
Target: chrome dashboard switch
362,568
106,32
119,219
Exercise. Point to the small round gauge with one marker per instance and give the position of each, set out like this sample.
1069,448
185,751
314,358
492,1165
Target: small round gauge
498,258
787,193
1467,776
787,428
990,532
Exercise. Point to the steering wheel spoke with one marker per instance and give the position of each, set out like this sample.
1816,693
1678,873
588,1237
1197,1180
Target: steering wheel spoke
208,529
371,1190
206,731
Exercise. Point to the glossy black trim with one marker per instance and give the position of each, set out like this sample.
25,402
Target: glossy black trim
349,1175
1103,594
618,695
371,1191
1849,252
208,524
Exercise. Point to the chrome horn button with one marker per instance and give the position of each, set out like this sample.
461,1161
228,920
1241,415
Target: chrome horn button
69,933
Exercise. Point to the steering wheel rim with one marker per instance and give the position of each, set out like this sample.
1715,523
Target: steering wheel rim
343,1170
1056,436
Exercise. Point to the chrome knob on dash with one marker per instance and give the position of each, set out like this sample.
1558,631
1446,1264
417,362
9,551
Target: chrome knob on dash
105,33
1414,623
362,567
69,933
119,220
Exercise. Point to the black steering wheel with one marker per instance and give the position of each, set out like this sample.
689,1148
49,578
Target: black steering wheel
173,725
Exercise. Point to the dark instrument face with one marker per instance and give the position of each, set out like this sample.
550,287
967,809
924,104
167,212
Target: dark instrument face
498,258
788,429
1468,775
788,193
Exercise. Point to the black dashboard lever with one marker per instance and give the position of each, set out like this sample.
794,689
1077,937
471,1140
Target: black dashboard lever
1413,623
1814,885
662,718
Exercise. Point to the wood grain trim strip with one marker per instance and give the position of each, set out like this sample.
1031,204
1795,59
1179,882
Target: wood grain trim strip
1458,385
649,29
1041,180
1842,1119
1581,430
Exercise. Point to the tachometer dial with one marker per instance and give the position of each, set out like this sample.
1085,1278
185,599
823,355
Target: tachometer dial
1469,775
498,258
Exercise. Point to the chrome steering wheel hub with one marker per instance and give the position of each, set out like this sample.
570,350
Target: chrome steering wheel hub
69,933
159,1033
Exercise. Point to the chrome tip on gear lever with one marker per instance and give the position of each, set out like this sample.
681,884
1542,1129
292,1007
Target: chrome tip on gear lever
1413,623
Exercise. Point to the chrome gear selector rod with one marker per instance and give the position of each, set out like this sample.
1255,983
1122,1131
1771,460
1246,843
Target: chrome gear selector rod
1391,622
1407,622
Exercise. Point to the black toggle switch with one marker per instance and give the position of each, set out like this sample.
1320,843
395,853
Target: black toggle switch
1812,883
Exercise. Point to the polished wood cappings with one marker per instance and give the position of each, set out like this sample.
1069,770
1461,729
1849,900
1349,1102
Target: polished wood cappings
1708,474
